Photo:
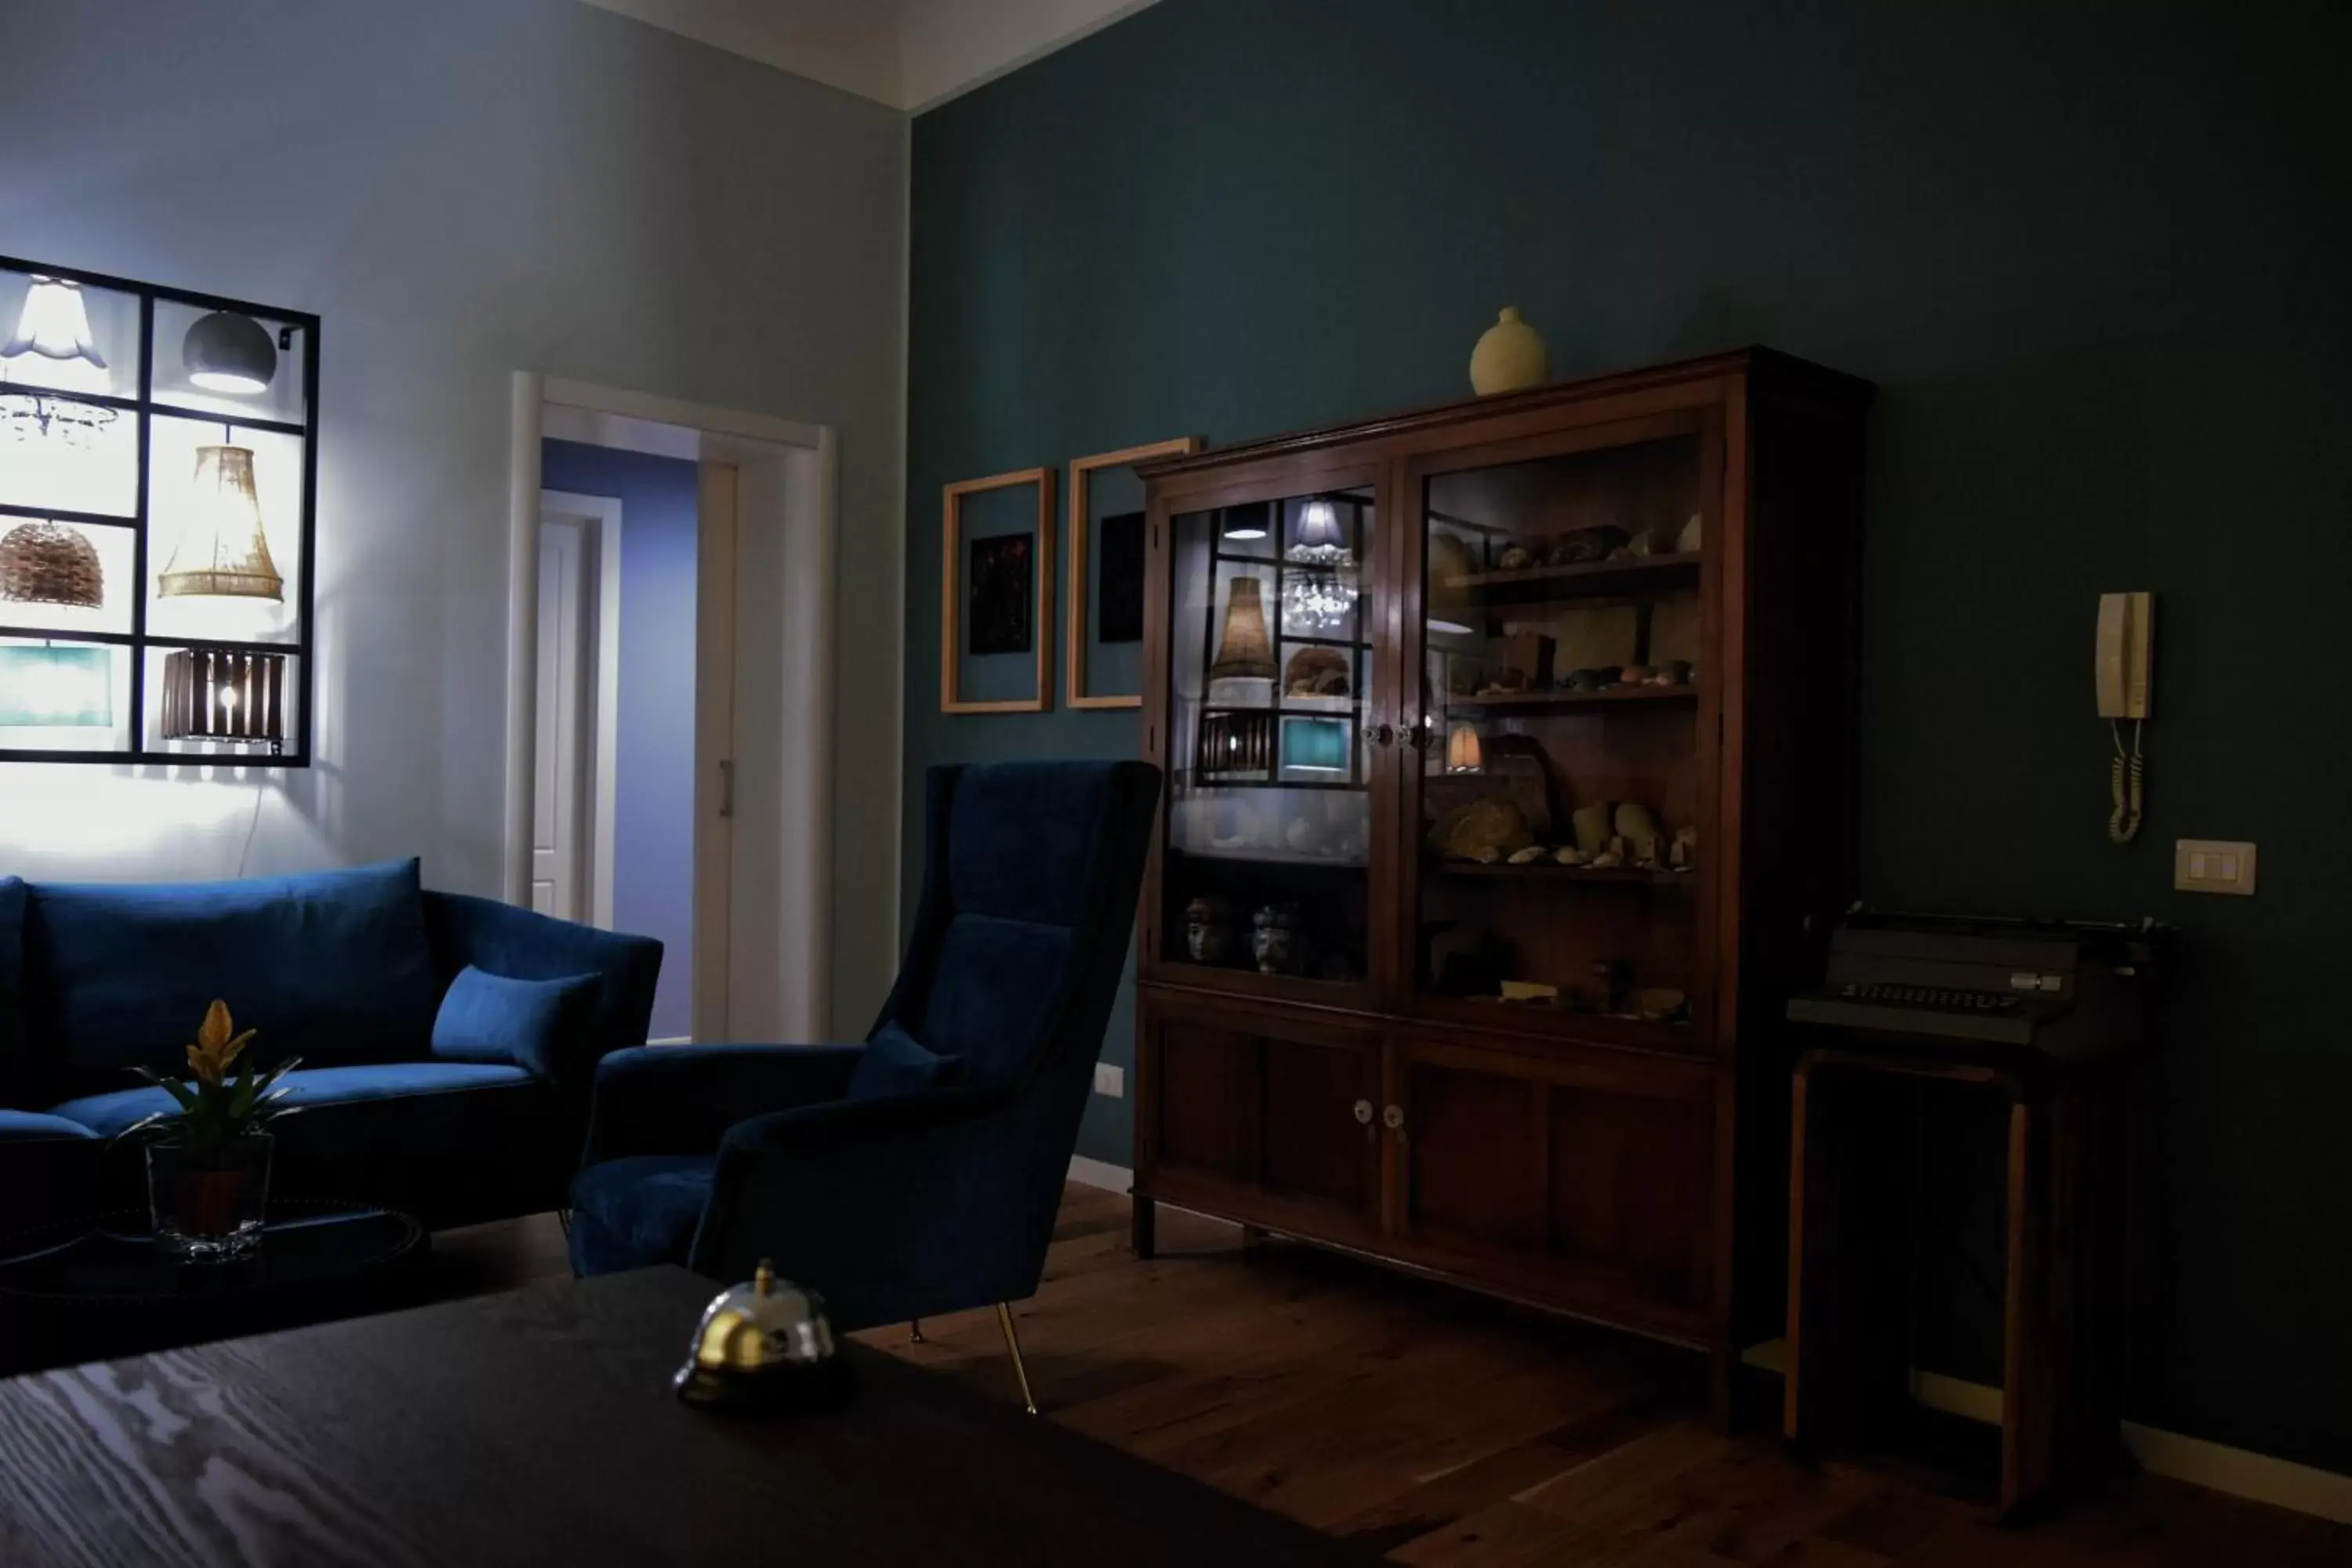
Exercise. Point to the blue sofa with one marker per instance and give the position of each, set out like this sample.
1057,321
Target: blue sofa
346,970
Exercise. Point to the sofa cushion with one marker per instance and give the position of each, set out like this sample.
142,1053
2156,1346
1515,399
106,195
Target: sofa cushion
31,1126
894,1062
638,1211
48,1168
451,1142
334,967
488,1017
111,1114
12,990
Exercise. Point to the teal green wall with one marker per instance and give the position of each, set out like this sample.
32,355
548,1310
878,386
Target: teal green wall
2098,260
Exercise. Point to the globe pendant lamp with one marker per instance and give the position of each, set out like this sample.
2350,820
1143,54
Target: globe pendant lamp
223,552
53,324
1243,652
46,562
225,352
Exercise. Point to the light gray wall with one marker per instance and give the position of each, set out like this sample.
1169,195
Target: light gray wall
463,188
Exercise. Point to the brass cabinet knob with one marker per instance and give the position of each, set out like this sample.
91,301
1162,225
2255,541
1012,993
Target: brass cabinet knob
1392,1118
1364,1111
1379,735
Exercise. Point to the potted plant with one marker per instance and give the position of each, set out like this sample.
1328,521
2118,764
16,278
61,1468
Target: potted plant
208,1171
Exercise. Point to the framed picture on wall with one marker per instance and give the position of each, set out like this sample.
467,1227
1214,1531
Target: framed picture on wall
996,593
1105,598
1000,577
1118,579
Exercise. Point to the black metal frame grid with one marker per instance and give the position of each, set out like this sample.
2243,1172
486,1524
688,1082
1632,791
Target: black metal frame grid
295,751
1277,710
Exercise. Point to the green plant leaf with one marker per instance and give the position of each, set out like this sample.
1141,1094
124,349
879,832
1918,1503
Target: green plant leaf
180,1092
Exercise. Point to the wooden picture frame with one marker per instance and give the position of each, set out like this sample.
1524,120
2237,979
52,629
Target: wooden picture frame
951,587
1082,471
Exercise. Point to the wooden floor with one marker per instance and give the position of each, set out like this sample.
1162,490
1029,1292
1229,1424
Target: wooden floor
1441,1429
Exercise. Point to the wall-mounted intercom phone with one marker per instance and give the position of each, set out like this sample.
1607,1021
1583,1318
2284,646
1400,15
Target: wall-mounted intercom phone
2126,639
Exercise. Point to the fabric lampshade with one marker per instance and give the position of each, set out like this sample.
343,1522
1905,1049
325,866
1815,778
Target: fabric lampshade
49,687
223,552
1318,527
1244,651
53,324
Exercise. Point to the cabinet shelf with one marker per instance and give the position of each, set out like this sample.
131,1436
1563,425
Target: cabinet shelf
1648,574
1271,856
1610,697
1553,872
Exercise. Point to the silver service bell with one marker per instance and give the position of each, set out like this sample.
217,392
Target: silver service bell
765,1345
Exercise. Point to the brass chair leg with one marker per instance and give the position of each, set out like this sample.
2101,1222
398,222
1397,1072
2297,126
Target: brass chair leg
916,1326
1013,1343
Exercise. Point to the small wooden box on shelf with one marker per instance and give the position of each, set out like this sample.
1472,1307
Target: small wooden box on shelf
1584,738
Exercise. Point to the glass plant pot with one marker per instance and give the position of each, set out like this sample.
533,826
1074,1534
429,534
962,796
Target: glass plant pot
208,1204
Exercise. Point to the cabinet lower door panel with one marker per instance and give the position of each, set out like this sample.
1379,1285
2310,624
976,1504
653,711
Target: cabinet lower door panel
1590,1186
1629,1189
1471,1160
1205,1115
1277,1119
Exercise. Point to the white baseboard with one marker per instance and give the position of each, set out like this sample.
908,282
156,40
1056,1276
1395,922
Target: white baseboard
673,1040
2240,1472
1100,1173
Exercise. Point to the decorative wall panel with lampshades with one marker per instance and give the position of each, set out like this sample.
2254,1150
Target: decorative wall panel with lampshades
158,496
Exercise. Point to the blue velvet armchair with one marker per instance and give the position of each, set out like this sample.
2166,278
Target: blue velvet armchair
919,1173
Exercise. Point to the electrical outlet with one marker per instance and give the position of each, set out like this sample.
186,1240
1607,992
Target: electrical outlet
1110,1082
2212,866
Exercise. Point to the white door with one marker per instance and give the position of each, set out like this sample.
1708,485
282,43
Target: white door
556,815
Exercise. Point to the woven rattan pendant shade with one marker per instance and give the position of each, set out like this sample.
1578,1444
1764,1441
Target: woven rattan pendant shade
222,553
49,563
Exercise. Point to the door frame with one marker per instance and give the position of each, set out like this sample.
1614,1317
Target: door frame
601,519
788,475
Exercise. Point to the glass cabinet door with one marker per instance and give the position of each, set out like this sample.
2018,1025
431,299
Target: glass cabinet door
1561,770
1270,753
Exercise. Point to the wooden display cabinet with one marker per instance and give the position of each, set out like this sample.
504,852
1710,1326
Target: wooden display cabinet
1511,768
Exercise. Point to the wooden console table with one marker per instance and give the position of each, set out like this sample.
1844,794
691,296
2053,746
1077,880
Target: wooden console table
1849,1351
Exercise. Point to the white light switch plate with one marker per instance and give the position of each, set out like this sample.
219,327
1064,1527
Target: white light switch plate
1110,1082
2212,866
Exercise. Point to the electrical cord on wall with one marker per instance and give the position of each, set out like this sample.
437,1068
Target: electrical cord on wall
2127,783
251,828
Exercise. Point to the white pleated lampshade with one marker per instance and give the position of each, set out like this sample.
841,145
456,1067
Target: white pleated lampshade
223,552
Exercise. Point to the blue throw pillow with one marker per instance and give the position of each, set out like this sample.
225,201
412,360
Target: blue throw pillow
335,967
895,1063
488,1017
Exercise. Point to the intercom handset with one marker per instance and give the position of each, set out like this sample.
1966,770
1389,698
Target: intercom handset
2126,639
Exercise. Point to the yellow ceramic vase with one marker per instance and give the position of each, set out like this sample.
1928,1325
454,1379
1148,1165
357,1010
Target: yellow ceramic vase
1509,356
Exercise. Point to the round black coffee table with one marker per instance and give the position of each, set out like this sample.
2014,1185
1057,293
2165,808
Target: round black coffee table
100,1286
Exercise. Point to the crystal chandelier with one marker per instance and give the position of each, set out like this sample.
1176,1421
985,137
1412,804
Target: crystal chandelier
36,417
1321,595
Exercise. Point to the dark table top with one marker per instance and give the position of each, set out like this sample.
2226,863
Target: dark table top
112,1259
538,1426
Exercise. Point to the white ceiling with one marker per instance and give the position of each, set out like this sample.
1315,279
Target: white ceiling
908,54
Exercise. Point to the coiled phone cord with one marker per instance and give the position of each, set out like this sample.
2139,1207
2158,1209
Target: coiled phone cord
2126,781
